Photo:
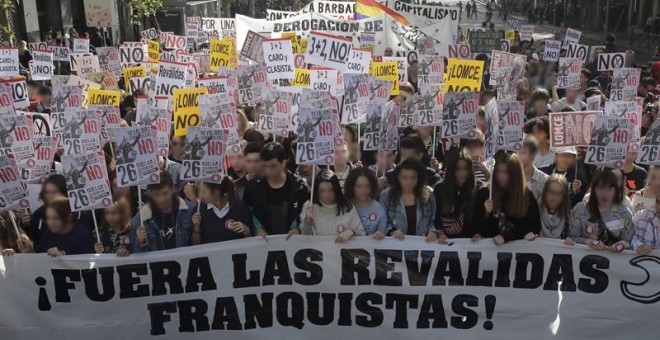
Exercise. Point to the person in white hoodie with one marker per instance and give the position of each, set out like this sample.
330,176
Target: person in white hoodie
330,213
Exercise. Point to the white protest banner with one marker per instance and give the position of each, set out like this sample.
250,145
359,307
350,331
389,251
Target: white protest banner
176,42
109,60
87,182
316,135
631,110
611,61
581,52
251,83
18,91
624,83
218,111
130,55
526,32
328,50
499,59
171,76
44,148
389,133
459,114
12,192
204,155
551,51
60,53
572,36
22,146
429,107
356,97
373,127
110,120
8,62
337,9
82,129
571,128
609,142
408,113
99,13
459,51
510,125
358,61
80,45
135,153
568,75
220,27
41,65
247,289
278,56
304,23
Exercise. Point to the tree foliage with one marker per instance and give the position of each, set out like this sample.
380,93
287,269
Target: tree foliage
142,8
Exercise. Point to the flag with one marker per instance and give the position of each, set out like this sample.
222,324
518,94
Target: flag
371,8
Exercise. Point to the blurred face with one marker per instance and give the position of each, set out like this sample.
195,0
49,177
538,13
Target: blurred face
385,159
605,195
526,157
564,161
631,156
425,131
389,52
540,135
112,216
207,195
654,181
413,67
274,168
162,198
583,80
502,175
540,106
50,192
462,172
121,191
555,195
55,224
410,153
341,155
408,180
177,147
237,162
571,95
327,194
362,190
253,164
619,177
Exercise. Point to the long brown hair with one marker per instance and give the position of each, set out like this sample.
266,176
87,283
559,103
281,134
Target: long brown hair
422,194
565,207
448,188
124,210
514,199
605,178
225,187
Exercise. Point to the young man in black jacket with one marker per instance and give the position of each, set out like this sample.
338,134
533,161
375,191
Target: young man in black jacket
276,199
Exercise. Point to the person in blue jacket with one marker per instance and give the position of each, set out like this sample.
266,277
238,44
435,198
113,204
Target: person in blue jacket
165,222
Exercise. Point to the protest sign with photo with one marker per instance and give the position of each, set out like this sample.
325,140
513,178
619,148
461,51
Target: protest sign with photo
631,110
380,90
316,135
389,133
110,120
21,133
511,118
252,47
568,73
82,129
593,103
274,118
571,128
356,97
408,113
204,154
459,114
135,155
99,13
109,60
504,59
251,83
624,83
44,149
429,107
609,141
650,150
430,70
373,127
218,111
12,192
186,109
87,182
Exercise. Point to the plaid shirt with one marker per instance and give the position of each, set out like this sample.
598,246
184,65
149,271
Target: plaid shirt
648,228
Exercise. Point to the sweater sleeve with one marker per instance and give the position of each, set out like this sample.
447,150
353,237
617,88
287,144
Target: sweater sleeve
356,224
576,223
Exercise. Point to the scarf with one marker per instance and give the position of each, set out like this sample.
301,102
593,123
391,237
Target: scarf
552,226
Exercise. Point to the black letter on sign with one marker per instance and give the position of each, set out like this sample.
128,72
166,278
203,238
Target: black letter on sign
432,308
473,278
374,315
92,285
400,302
317,315
561,269
62,285
256,312
522,261
277,265
226,311
165,272
384,267
589,267
128,282
418,275
303,261
159,315
240,278
503,269
193,310
345,309
297,309
460,305
349,267
199,271
448,264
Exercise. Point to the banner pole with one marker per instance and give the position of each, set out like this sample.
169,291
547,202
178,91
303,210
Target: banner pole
12,217
311,191
140,205
359,151
96,227
434,141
